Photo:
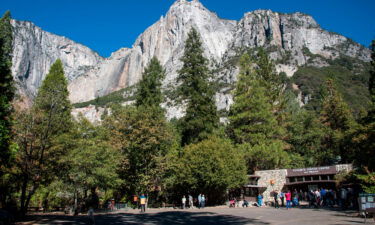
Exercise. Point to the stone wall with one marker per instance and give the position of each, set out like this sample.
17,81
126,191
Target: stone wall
344,168
279,179
266,176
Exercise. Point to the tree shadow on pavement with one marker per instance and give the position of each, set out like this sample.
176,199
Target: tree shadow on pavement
52,219
175,218
149,218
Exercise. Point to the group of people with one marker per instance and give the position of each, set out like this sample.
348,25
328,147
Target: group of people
237,203
343,198
316,198
141,201
201,201
233,202
291,200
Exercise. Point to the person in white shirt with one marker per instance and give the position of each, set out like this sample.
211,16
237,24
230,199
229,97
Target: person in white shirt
183,202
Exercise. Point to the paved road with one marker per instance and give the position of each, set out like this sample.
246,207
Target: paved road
219,216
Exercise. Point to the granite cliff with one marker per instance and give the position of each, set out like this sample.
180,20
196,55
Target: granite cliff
291,40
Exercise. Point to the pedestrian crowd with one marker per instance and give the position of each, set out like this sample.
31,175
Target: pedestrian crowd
343,198
201,201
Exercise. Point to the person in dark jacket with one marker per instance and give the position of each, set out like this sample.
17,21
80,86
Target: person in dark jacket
276,198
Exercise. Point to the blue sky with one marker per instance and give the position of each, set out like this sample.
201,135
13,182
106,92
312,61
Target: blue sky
107,25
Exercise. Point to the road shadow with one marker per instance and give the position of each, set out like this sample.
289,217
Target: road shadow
52,219
149,218
338,212
335,209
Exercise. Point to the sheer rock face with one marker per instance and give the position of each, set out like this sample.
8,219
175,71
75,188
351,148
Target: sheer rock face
36,50
293,32
91,76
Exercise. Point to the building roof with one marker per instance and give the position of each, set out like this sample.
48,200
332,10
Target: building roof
323,170
254,186
312,181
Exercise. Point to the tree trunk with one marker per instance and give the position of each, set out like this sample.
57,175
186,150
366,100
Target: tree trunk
3,195
75,213
23,196
31,193
45,202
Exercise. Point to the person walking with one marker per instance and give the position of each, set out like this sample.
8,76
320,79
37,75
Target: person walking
288,197
323,198
317,195
199,201
135,201
282,197
203,203
260,200
276,198
183,200
311,198
191,204
143,200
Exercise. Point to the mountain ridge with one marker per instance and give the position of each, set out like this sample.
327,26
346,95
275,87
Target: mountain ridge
91,76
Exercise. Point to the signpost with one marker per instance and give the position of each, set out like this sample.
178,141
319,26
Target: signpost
366,203
312,171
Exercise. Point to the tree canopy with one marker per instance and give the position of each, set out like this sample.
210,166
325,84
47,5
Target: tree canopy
196,92
149,88
7,89
38,128
209,167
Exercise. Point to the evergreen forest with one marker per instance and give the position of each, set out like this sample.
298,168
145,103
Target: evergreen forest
50,159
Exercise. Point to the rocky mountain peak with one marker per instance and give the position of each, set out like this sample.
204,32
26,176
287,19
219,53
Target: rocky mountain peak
187,3
292,40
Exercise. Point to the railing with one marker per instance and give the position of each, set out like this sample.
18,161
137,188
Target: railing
119,206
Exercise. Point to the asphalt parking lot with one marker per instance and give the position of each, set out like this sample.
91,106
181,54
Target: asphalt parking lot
210,215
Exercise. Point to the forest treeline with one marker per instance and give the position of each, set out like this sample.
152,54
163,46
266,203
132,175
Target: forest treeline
50,159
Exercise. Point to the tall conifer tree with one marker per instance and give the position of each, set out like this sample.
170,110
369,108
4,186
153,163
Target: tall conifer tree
252,121
37,130
363,139
338,122
149,92
7,90
265,71
201,117
371,87
251,117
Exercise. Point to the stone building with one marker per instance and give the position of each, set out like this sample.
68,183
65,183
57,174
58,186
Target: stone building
267,181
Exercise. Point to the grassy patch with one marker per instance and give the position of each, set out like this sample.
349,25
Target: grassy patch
122,95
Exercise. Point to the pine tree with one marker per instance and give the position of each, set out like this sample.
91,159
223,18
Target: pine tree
7,90
53,98
338,122
363,138
251,116
37,130
201,117
149,92
371,113
265,71
253,122
305,134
